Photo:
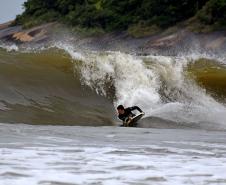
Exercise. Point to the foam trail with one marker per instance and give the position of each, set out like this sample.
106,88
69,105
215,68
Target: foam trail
36,155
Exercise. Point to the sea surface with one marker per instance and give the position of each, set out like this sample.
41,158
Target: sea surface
71,155
58,124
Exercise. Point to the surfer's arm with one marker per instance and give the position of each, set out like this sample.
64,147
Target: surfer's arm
136,108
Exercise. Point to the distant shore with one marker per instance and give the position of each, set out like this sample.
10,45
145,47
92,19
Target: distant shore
168,42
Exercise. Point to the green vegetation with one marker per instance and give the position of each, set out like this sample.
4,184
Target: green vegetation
136,16
213,14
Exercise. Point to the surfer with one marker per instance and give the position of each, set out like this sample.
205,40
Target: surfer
126,114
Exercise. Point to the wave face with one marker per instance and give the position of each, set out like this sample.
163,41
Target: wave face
62,85
41,88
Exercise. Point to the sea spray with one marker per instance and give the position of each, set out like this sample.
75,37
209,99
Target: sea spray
158,84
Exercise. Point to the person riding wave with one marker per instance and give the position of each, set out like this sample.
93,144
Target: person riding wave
126,114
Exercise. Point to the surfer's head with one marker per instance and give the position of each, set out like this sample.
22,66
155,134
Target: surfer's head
121,109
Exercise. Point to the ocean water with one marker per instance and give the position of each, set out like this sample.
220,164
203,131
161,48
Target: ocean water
59,126
60,85
56,155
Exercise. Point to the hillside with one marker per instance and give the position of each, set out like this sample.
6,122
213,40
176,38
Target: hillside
138,17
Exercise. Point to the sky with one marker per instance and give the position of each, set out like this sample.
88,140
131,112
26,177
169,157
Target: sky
9,9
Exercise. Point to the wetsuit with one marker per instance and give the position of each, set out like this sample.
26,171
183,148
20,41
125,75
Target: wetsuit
128,113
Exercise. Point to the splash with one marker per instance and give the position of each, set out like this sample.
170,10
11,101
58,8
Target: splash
160,85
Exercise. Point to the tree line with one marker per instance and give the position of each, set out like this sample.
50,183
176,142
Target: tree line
111,15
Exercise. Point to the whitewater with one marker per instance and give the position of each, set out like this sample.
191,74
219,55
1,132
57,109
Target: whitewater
159,84
62,155
59,126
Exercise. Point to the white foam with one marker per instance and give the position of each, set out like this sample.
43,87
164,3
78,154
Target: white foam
9,48
34,160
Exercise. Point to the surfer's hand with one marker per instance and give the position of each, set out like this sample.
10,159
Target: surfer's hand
129,119
143,113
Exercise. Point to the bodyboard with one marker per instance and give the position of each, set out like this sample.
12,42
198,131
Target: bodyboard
133,121
136,118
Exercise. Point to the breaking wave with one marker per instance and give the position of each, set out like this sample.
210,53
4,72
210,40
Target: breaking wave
61,85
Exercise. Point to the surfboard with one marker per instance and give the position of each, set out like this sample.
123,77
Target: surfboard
133,121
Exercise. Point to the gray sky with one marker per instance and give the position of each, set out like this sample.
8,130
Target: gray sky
9,9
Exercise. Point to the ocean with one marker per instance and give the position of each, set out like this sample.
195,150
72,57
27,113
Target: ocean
59,125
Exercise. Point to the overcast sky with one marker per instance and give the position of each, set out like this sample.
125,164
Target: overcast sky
9,9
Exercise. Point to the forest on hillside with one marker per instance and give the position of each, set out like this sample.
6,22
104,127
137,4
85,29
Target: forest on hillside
112,15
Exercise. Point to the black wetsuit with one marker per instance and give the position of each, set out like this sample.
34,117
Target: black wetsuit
128,113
